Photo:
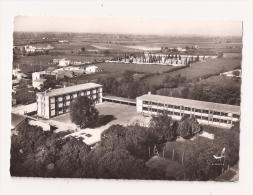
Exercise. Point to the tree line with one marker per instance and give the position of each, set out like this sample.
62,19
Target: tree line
122,152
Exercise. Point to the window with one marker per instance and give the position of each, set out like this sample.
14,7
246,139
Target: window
145,108
236,116
216,113
216,120
74,95
177,107
59,99
88,92
205,111
52,100
52,112
160,104
67,103
52,106
177,113
223,121
187,108
223,114
198,110
205,118
60,105
153,110
67,97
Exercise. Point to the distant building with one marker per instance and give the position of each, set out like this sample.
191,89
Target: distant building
38,83
233,73
55,102
77,63
209,113
63,41
17,73
91,69
38,75
38,79
29,49
63,62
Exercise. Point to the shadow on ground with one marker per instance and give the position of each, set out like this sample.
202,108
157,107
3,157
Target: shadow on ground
103,120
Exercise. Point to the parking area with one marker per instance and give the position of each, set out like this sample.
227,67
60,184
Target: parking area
120,114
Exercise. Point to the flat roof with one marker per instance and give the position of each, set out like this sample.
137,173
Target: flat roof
119,99
191,103
40,80
70,89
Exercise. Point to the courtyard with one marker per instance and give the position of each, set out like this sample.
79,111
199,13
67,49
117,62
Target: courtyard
114,113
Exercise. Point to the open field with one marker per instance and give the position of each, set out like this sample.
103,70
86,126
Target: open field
90,77
222,81
142,68
198,70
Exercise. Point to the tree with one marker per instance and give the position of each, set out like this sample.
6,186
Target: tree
164,128
128,76
188,126
83,112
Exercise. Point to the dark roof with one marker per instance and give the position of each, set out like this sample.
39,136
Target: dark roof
191,103
16,119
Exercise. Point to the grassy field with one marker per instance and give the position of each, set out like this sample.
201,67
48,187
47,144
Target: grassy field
222,81
198,70
143,68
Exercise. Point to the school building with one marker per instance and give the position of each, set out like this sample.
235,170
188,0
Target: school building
57,101
215,114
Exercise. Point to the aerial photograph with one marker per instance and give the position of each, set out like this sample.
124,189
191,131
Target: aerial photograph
126,98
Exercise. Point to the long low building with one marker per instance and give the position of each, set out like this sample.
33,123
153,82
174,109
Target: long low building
57,101
209,113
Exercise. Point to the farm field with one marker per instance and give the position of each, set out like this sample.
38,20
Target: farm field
142,68
90,77
198,70
222,81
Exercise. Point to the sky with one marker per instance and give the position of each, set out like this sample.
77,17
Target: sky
127,25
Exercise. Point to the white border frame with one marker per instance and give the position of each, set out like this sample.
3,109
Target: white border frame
193,10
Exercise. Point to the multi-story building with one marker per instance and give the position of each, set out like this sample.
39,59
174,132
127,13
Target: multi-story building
215,114
57,101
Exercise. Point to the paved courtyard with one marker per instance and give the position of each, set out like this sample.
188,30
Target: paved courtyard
123,114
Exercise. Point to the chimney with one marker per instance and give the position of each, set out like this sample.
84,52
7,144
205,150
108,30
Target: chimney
149,93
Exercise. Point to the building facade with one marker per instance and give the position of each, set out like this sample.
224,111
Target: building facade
56,102
64,62
221,115
91,69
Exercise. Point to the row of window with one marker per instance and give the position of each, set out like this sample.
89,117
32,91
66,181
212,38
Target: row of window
178,114
184,108
74,95
60,109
